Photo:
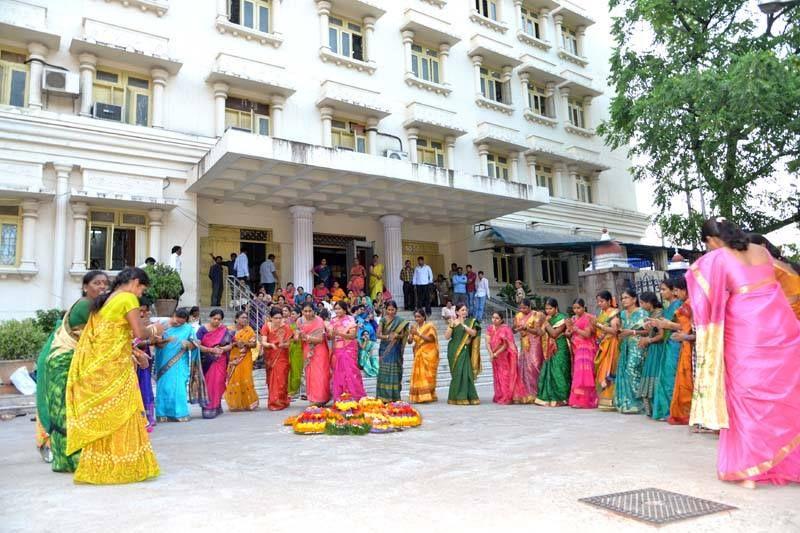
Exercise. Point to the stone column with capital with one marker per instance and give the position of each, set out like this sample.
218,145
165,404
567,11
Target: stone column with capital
30,214
518,15
572,191
60,234
559,178
159,76
444,55
80,216
88,65
524,77
483,152
531,160
543,16
408,40
303,245
393,251
477,61
587,104
372,135
155,219
324,11
275,16
513,167
565,106
559,21
326,114
450,154
549,98
505,79
580,35
412,134
220,96
36,56
277,115
369,32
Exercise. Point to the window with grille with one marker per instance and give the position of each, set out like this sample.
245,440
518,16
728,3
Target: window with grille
247,115
497,166
544,178
13,78
425,63
537,100
116,239
507,267
583,189
576,118
493,88
569,40
555,271
9,235
253,14
349,135
130,92
487,8
530,23
345,38
430,152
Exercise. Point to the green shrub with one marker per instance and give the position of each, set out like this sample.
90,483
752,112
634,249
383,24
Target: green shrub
20,339
165,282
46,319
509,295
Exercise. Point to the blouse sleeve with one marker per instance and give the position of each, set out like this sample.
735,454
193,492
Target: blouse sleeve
79,314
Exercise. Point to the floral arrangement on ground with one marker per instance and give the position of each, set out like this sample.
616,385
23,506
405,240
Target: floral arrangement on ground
351,417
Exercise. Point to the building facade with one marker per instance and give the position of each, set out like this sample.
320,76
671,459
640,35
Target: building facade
303,128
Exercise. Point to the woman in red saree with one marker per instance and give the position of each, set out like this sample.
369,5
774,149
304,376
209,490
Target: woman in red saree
358,275
346,375
503,351
311,332
276,336
748,376
580,330
215,342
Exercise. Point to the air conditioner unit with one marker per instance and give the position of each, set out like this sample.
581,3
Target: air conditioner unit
107,111
396,154
59,81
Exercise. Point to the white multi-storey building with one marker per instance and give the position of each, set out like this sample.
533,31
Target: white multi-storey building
303,128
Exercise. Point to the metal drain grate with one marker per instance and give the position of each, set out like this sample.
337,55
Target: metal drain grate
656,506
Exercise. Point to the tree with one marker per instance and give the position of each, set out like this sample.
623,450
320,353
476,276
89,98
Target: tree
710,106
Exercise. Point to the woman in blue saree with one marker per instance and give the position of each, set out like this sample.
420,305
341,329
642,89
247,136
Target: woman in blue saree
173,358
665,380
393,333
627,394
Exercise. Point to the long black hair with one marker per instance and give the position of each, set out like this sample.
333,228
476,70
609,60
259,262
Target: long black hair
651,298
725,230
125,276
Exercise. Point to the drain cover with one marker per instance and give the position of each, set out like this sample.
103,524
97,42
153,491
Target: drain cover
656,506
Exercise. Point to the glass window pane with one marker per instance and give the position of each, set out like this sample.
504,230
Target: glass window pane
98,238
345,44
17,92
134,219
493,11
263,126
426,75
138,82
333,40
435,69
141,109
248,15
263,19
8,244
361,145
358,48
123,250
106,76
415,65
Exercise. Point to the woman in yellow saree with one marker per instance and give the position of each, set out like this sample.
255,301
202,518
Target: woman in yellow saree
605,364
105,414
240,392
426,359
375,278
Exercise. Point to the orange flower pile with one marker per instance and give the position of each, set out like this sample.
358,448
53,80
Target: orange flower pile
348,417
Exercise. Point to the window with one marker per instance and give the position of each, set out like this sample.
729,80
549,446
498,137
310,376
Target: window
9,235
555,271
425,63
493,88
537,100
246,115
530,23
583,189
345,38
498,166
253,14
569,40
430,152
544,178
116,239
130,93
349,135
576,113
487,8
507,266
13,78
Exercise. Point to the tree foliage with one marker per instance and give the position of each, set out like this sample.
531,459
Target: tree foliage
709,103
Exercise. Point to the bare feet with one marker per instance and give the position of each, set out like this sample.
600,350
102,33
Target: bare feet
747,484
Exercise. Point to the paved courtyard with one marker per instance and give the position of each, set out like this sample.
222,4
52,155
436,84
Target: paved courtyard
485,468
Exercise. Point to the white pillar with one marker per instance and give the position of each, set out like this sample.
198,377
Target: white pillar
324,9
587,104
372,135
543,16
526,95
220,95
580,34
60,234
155,217
476,65
80,215
159,82
30,213
277,115
275,16
88,65
559,178
513,167
393,250
549,95
559,20
518,14
326,113
483,152
565,105
408,40
450,146
369,31
303,245
412,134
36,55
444,55
222,8
531,160
505,79
572,191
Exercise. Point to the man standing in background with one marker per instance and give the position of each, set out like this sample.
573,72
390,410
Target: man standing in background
422,281
471,278
216,275
459,287
481,294
268,275
241,268
176,264
407,277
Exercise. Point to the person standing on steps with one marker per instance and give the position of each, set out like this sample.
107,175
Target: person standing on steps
460,287
422,282
268,275
407,277
216,275
481,295
177,265
471,279
241,268
375,278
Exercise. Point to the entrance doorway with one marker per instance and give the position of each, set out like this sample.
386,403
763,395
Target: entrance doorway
337,261
256,254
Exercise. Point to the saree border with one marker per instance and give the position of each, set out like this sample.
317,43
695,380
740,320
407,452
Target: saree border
764,466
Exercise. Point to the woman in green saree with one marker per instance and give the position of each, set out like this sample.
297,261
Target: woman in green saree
653,351
52,369
295,355
393,333
555,378
628,391
464,357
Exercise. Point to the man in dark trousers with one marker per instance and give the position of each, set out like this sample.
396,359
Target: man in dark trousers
407,276
423,281
216,275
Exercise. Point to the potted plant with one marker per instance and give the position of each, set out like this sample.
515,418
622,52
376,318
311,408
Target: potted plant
165,288
20,343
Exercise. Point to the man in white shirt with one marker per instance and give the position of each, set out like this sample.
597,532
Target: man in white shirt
422,281
241,267
268,275
175,263
481,294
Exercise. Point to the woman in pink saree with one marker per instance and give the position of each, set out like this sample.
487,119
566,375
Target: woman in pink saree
346,375
531,355
503,351
748,376
216,342
311,332
583,393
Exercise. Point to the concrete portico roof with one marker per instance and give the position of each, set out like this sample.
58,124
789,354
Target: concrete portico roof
258,170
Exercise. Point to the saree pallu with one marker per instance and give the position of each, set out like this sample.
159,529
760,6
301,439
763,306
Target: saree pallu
653,361
507,384
390,360
317,363
464,359
346,375
172,363
145,378
276,362
627,394
583,393
682,396
295,365
376,281
104,405
605,363
368,360
240,392
426,366
529,360
555,378
758,408
665,382
52,370
215,368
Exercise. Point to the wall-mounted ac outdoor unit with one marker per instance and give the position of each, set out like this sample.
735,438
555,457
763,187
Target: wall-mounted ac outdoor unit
59,81
396,154
107,111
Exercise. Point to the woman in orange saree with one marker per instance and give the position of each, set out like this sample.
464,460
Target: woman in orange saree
426,359
607,325
748,377
240,392
358,275
531,355
787,273
311,331
276,337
